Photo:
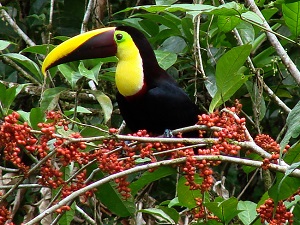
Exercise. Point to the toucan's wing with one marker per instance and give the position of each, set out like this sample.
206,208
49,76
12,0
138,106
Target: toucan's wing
165,106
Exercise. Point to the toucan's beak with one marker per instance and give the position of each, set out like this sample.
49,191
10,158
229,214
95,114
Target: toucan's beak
93,44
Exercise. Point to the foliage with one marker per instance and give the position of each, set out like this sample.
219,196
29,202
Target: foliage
64,161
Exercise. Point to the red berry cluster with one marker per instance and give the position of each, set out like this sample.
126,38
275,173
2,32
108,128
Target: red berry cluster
72,151
271,146
76,184
201,212
109,162
63,209
15,137
50,176
4,215
279,217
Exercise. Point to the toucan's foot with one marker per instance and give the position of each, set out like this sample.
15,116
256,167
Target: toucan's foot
168,133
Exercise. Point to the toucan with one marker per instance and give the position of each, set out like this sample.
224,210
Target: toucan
148,97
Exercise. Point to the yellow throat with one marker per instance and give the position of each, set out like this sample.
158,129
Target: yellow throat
129,72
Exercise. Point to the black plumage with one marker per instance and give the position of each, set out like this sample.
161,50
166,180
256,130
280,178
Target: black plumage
162,104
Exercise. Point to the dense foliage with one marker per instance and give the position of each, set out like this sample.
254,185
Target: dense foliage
66,158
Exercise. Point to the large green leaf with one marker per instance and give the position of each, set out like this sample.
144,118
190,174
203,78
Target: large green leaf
228,77
28,64
186,197
36,116
71,76
248,211
4,44
227,23
68,216
284,187
149,177
228,9
50,98
165,59
293,125
225,210
105,103
113,200
291,15
160,213
293,154
8,95
89,74
39,49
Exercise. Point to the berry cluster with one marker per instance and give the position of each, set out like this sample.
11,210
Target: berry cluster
76,184
50,176
109,162
271,146
278,217
14,138
4,215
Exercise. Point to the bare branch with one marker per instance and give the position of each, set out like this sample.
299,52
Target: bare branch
289,64
16,28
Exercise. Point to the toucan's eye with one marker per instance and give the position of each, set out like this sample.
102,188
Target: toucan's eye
119,37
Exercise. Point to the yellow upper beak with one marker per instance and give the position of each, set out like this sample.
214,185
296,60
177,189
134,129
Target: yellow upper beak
98,43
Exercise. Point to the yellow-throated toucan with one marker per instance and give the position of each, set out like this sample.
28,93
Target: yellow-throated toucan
148,97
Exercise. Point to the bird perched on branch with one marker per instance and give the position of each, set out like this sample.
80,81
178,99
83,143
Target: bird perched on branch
148,97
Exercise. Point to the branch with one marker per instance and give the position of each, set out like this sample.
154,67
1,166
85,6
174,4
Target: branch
16,28
289,64
247,162
87,16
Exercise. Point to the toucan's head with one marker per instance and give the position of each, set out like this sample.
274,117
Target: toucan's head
127,43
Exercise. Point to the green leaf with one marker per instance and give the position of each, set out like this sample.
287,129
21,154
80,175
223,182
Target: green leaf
161,19
89,74
79,109
284,187
36,116
50,98
246,32
248,211
227,23
225,210
149,177
159,213
252,17
165,59
4,44
171,212
8,95
105,103
174,202
293,154
291,15
111,198
228,78
71,76
68,216
253,156
186,196
165,2
39,49
28,64
293,125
